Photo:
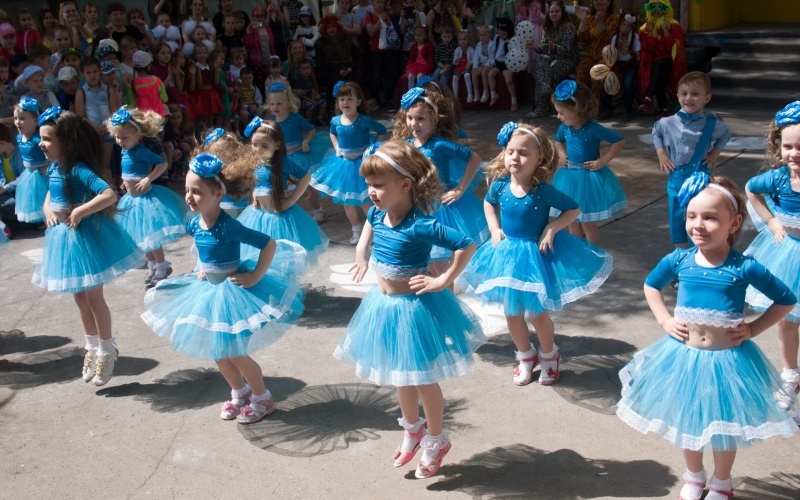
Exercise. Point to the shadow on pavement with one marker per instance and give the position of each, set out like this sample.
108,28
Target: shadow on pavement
778,486
59,366
190,389
521,471
324,310
15,341
322,419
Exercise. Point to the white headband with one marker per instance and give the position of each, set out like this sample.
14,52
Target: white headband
394,164
267,125
430,102
727,193
532,134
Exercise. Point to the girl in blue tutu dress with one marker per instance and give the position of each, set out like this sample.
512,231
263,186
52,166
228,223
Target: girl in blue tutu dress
410,331
274,210
84,247
32,183
338,175
775,196
232,307
585,176
421,121
706,385
531,266
304,147
153,215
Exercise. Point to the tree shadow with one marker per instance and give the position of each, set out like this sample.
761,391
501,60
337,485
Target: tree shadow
323,310
499,350
190,389
521,471
59,366
779,486
322,419
15,341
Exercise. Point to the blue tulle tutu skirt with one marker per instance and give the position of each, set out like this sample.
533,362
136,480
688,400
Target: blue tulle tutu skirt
293,224
783,261
319,146
466,215
92,254
598,193
700,399
153,219
517,275
222,320
338,178
32,189
410,339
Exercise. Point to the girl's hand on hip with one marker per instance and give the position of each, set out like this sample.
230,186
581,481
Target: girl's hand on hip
424,284
676,329
740,333
245,280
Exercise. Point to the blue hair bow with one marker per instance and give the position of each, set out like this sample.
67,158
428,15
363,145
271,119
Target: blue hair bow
206,165
337,87
276,87
121,117
505,133
253,126
371,149
423,80
212,136
50,114
410,97
691,186
29,104
566,90
789,115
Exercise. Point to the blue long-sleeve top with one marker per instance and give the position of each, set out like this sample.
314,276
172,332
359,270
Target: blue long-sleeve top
32,155
137,162
776,184
218,247
355,138
583,144
73,188
293,128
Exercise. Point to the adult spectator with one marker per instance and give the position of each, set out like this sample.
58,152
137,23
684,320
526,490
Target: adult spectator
176,9
384,63
227,7
260,44
116,23
280,30
69,16
557,56
663,56
348,20
442,14
48,22
335,54
291,12
597,27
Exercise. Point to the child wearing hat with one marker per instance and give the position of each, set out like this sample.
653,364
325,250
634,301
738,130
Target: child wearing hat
148,90
68,82
33,77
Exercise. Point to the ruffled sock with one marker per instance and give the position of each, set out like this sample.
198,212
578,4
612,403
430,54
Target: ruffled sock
432,446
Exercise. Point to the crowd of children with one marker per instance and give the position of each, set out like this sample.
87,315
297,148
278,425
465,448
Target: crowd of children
425,231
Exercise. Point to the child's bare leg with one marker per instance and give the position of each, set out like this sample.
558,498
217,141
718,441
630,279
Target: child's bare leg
591,232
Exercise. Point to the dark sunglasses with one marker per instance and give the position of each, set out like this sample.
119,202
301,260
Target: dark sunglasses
656,7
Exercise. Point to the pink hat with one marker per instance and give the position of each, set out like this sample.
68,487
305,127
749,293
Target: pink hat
6,29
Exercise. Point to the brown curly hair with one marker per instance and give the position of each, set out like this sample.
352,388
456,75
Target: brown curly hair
443,123
450,112
353,89
497,167
425,185
585,105
774,159
239,164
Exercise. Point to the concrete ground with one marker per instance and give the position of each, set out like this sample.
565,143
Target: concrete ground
154,431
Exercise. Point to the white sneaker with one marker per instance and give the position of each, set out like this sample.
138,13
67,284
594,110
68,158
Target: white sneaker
105,369
470,100
89,366
791,387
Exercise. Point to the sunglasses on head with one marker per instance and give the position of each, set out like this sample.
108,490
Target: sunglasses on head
656,7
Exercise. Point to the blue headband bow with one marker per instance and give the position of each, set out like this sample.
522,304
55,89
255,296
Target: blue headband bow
337,87
789,115
371,149
29,104
566,90
423,80
121,117
206,166
253,126
691,186
213,136
276,87
50,114
505,133
410,97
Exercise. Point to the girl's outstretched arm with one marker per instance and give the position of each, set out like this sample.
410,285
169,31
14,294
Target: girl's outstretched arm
359,269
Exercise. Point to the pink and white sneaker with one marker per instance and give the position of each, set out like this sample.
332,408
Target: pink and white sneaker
258,408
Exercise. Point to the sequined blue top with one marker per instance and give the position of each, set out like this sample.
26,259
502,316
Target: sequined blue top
450,158
776,185
526,217
293,128
402,251
71,189
715,295
264,177
136,162
32,155
583,144
218,246
355,138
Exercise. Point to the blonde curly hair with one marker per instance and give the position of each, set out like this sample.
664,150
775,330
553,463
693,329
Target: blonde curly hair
497,166
441,115
147,122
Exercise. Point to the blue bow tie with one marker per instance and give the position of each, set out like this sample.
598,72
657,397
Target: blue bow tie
690,117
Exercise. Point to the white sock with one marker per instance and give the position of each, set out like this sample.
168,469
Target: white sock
455,85
107,348
432,445
691,491
409,443
260,399
513,100
357,228
240,393
151,265
92,342
468,83
719,484
526,365
493,93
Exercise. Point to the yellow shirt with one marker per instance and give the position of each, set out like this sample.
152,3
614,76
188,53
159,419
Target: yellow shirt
8,172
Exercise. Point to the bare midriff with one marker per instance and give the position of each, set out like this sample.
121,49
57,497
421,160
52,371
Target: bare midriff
712,338
394,287
130,187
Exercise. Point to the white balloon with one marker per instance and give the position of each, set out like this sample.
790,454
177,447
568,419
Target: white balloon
516,43
525,31
517,60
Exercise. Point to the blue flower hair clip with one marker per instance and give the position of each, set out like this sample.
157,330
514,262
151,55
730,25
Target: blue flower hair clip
253,126
206,166
50,114
276,87
212,136
505,133
789,115
29,104
412,96
121,117
566,90
691,186
337,87
423,80
371,149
